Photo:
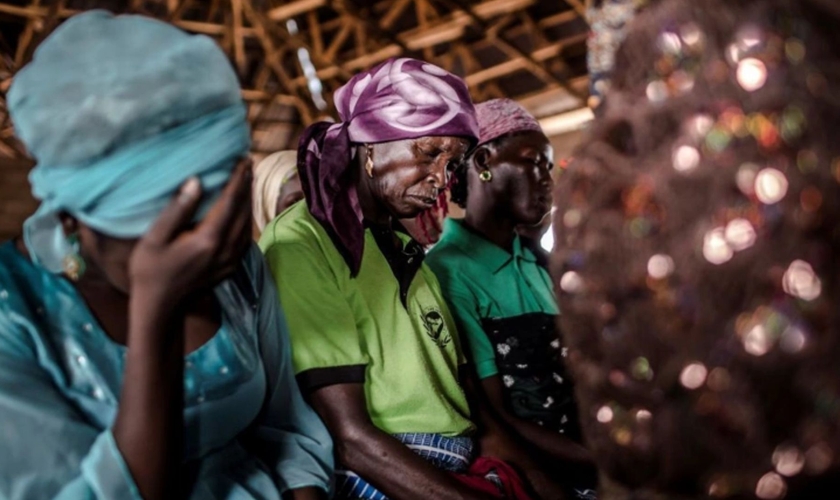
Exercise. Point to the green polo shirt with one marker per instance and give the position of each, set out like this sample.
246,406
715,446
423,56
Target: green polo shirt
481,280
357,330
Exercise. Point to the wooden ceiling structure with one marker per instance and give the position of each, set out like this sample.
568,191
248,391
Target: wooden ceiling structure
291,55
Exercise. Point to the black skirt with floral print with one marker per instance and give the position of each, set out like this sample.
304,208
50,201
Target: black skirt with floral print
529,356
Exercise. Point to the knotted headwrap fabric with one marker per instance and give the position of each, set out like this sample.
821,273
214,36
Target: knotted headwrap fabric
498,117
119,111
396,100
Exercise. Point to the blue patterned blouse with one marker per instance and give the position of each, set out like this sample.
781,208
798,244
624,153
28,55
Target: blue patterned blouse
246,426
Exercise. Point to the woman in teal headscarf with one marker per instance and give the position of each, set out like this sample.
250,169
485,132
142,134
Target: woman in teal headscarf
142,354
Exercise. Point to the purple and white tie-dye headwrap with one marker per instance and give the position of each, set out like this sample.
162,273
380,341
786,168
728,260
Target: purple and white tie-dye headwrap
398,99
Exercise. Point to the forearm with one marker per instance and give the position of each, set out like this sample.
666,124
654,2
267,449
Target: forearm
310,493
396,470
149,423
553,443
497,441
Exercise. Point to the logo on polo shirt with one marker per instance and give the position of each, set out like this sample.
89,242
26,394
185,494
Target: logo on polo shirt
436,327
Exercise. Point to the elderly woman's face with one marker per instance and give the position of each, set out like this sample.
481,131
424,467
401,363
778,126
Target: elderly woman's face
409,175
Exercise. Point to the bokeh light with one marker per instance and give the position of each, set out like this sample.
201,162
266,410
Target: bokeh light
771,186
715,248
751,74
801,281
693,376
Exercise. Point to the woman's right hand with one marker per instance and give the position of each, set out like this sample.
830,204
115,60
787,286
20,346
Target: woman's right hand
174,260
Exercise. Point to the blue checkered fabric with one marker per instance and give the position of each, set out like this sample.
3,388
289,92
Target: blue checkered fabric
452,454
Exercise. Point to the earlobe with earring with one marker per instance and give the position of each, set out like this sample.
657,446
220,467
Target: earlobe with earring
369,161
74,264
485,176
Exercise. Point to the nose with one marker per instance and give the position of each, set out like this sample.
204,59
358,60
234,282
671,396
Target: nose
438,175
544,178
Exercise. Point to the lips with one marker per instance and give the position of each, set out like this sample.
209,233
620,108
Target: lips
428,201
425,198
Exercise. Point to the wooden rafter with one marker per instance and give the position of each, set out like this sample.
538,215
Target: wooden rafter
578,6
515,52
394,11
238,38
293,9
484,41
272,60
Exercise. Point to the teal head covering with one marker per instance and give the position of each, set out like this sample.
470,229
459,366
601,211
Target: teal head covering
119,111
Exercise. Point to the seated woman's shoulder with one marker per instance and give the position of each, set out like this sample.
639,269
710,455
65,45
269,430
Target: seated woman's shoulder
295,225
444,257
22,289
17,273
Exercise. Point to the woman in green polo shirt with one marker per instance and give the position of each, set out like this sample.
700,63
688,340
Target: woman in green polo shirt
502,299
375,349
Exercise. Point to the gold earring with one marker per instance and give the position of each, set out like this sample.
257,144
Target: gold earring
369,162
73,263
485,176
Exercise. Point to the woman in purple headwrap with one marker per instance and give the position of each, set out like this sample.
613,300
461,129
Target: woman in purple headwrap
375,348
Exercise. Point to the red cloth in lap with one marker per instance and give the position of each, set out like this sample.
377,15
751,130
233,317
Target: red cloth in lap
512,487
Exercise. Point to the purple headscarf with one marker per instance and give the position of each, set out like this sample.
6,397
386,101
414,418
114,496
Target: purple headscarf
398,99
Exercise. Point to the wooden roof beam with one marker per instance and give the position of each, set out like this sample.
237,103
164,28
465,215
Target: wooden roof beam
192,26
293,9
505,45
394,10
578,6
549,92
272,59
259,95
519,63
447,30
363,19
238,38
558,19
452,26
543,24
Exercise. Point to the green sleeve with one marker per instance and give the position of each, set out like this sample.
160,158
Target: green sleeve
322,326
464,307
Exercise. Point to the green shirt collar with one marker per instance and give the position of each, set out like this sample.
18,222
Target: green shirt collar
492,256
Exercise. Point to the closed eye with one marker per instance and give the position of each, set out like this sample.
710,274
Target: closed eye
454,164
431,153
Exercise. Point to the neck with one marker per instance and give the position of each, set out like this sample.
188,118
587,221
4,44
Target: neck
372,210
497,228
95,288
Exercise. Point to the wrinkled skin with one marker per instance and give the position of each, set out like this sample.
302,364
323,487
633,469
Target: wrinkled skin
407,175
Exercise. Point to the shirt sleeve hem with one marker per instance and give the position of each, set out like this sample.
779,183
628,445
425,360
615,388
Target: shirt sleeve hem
486,368
321,486
107,472
316,378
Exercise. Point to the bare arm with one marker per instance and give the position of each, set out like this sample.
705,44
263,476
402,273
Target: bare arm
553,443
148,427
498,440
376,456
169,265
311,493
